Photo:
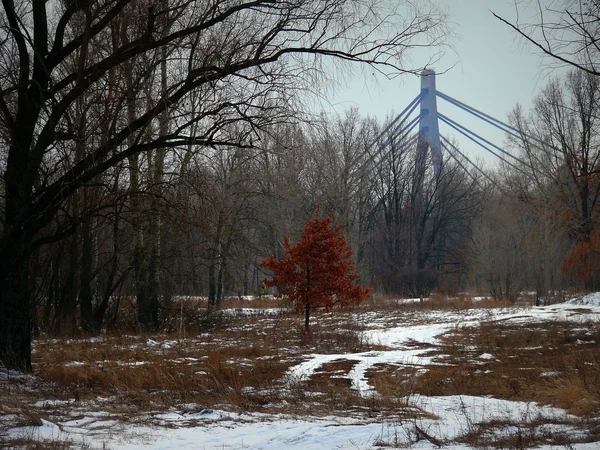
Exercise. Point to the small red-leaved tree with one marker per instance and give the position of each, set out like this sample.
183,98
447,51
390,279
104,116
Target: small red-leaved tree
318,272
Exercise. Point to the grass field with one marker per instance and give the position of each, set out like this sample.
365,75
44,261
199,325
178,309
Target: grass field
474,374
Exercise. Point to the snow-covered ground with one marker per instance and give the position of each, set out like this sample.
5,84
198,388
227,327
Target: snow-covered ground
220,430
590,300
443,419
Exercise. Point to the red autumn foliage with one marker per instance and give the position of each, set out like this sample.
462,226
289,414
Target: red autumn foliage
583,263
317,272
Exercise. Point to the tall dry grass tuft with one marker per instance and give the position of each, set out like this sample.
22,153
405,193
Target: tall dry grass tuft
464,301
577,388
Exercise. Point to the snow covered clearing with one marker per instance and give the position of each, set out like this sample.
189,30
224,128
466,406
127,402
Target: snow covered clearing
218,430
304,407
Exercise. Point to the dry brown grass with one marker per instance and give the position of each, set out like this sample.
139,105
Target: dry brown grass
555,364
577,387
440,302
239,363
378,302
551,363
463,301
522,435
149,377
393,381
34,443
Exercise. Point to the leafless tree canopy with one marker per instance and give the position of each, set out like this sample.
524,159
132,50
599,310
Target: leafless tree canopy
566,30
241,60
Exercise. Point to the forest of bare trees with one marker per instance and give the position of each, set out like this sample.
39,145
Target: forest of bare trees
135,150
158,149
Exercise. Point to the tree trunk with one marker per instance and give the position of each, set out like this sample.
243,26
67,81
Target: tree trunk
245,280
85,279
111,286
307,301
306,315
212,287
153,242
220,282
215,260
65,316
147,313
15,312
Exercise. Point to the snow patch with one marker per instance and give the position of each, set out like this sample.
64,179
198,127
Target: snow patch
592,299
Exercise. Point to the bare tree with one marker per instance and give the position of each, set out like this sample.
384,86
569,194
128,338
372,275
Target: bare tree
568,31
499,246
337,162
288,183
560,147
422,219
517,242
244,56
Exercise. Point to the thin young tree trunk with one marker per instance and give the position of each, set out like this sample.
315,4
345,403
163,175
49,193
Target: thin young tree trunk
214,261
86,276
154,235
307,301
150,318
67,294
140,254
212,284
220,281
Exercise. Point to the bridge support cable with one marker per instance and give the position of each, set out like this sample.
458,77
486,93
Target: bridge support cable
404,141
451,145
375,148
406,112
459,162
374,164
465,130
504,127
412,141
399,118
399,137
471,135
403,132
396,130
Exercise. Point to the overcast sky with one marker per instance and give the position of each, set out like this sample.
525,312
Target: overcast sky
490,69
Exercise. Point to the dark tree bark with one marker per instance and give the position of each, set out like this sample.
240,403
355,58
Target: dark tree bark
86,277
15,320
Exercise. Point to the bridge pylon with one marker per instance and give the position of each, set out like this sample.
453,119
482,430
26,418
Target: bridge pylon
429,131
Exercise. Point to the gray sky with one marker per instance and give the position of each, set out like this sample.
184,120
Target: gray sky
493,72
